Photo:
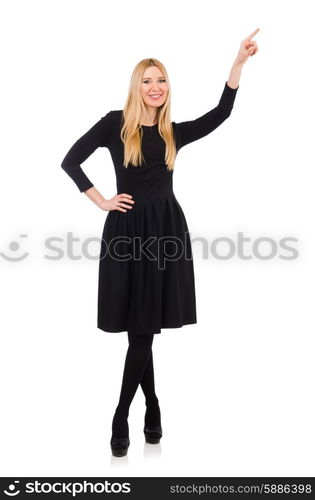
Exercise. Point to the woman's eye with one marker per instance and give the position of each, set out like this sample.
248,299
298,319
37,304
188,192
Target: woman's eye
147,81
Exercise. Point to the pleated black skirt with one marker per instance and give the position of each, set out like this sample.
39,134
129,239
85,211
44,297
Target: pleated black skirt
146,273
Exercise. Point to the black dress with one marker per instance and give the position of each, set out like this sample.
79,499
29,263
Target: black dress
146,274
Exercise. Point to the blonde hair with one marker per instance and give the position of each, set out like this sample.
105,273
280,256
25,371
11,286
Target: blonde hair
133,113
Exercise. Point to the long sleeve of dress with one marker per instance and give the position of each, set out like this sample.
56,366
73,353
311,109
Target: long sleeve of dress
97,136
193,130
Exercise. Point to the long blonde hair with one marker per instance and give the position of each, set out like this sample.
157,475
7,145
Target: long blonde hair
133,113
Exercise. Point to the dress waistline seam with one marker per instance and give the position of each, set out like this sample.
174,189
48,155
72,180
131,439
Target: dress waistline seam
155,198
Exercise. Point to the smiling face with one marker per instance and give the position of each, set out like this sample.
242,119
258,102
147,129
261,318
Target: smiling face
154,89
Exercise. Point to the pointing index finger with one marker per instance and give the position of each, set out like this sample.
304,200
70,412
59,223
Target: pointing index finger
253,34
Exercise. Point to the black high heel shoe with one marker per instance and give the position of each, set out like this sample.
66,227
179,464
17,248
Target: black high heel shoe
153,434
119,446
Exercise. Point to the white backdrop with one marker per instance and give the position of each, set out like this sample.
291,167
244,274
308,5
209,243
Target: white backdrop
235,389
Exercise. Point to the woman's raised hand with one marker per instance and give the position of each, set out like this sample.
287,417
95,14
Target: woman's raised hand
247,48
117,202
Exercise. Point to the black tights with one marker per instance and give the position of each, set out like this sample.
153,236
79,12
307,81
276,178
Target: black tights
138,370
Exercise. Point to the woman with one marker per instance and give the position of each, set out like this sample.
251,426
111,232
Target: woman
146,275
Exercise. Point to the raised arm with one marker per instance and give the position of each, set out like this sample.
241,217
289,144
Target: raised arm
193,130
186,132
97,136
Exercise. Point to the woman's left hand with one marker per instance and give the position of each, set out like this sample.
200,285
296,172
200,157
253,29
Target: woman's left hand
247,48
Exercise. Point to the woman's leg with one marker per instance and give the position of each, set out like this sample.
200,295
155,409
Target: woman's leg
152,415
137,356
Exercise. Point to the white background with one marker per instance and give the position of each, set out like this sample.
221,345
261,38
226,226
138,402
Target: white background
236,389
